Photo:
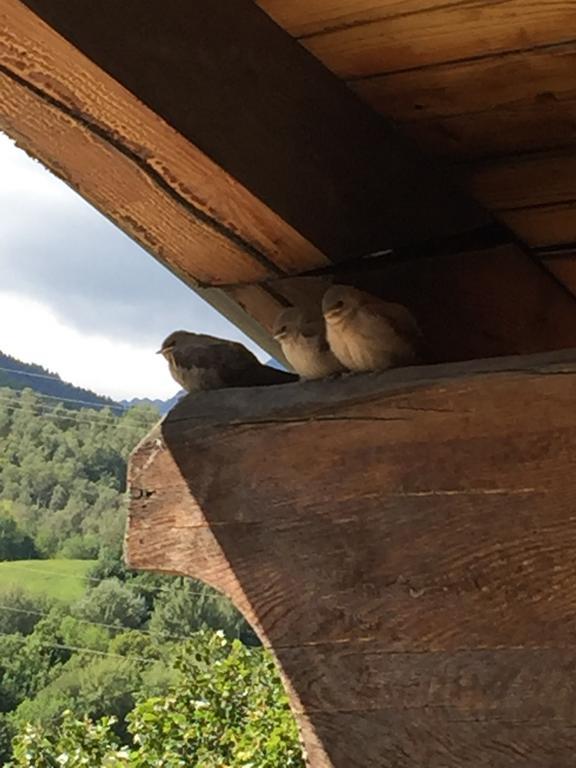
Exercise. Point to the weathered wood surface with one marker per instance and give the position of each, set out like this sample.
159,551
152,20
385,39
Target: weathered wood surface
466,81
235,85
404,542
441,32
481,304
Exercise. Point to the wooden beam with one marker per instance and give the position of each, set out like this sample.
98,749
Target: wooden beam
238,88
407,555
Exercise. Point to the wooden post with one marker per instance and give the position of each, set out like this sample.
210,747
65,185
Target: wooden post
405,543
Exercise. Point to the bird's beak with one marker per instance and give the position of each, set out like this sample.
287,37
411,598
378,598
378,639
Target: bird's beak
331,312
159,351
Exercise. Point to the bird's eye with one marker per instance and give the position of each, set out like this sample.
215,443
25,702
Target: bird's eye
283,329
339,304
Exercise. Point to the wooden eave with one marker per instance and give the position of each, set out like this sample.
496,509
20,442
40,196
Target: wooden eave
244,146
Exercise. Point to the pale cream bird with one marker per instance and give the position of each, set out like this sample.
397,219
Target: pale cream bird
368,334
198,362
303,342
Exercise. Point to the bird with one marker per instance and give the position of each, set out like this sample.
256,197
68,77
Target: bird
368,334
199,362
303,342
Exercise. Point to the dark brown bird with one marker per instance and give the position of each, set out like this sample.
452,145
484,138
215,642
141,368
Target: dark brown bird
198,362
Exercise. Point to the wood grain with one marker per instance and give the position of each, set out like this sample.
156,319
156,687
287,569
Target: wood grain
443,33
234,84
304,18
504,684
378,739
118,187
546,225
486,106
404,542
563,267
501,132
542,178
479,85
69,88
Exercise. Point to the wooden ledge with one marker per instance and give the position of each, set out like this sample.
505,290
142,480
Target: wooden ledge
405,544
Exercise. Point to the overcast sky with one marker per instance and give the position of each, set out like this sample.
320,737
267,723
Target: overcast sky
79,297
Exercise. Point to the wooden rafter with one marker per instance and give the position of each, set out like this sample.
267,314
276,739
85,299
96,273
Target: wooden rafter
232,155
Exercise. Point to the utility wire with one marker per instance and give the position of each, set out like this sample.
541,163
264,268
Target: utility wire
82,649
61,574
48,412
112,406
11,609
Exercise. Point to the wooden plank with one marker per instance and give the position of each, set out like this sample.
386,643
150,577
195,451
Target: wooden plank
271,116
303,18
544,226
378,739
443,33
563,267
486,106
504,131
537,179
479,85
504,684
421,601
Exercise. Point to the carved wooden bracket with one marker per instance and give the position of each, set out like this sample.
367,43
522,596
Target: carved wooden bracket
404,543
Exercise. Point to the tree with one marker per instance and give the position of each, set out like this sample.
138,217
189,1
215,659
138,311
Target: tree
228,709
14,543
185,605
88,687
20,611
112,603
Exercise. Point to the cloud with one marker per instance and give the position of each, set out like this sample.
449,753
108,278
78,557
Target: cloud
33,333
58,250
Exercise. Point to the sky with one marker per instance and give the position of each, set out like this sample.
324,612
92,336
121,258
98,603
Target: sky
81,298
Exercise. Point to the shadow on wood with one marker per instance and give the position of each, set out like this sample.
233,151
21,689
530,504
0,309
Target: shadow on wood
404,542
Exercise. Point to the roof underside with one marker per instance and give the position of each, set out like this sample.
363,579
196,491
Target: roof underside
240,162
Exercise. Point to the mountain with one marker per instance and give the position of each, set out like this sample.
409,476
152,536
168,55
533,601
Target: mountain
163,406
18,375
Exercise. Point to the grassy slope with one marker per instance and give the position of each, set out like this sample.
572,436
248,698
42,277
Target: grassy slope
61,579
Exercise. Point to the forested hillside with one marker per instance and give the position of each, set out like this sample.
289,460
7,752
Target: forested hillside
111,667
18,375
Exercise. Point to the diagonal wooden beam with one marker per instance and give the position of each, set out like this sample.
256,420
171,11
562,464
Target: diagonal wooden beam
237,160
237,87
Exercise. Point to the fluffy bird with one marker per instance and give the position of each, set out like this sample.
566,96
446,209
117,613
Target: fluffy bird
303,342
368,334
198,362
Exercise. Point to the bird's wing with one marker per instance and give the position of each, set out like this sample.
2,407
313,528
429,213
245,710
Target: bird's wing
400,318
236,366
315,329
228,357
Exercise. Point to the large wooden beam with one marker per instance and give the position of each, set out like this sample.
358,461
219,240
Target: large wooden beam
236,159
214,141
404,543
237,86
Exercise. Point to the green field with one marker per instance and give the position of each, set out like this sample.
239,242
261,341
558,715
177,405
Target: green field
60,579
